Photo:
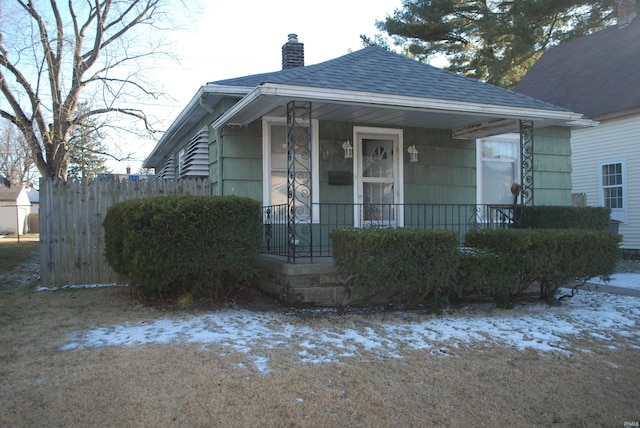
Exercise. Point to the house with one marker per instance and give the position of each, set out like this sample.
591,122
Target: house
34,211
368,139
14,210
599,75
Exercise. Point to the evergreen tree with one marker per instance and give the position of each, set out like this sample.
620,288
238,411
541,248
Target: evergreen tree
87,154
495,41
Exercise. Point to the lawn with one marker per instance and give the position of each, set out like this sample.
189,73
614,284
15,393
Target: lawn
98,357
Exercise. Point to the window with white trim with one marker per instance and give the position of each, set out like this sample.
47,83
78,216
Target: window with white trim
612,191
274,162
497,169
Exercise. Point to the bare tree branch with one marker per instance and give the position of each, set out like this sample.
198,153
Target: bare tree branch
69,44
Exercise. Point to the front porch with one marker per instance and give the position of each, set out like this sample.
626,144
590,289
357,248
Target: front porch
308,240
296,265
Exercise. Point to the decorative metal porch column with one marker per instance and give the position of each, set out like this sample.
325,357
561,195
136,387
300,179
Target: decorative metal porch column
299,201
526,173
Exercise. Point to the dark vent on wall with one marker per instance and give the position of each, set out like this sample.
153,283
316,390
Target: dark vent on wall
168,170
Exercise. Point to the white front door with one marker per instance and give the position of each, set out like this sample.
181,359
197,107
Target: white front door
378,177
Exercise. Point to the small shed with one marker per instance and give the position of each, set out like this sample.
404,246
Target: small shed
14,210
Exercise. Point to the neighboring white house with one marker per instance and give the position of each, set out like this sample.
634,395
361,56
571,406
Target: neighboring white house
14,210
599,75
34,198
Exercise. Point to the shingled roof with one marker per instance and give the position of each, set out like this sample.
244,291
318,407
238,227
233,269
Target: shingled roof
595,75
9,194
369,86
376,70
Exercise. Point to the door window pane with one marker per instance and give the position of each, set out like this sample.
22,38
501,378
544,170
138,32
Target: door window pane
378,202
377,158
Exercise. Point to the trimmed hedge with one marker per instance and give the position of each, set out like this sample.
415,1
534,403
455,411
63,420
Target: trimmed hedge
566,217
184,243
552,258
396,265
483,272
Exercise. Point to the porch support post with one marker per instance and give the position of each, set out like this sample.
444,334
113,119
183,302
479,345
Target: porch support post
299,200
526,173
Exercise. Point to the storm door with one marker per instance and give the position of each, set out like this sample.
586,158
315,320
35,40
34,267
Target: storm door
378,178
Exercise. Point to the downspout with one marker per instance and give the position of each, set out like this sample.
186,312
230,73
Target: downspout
220,163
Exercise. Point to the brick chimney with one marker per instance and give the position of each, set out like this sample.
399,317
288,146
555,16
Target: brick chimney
292,53
627,11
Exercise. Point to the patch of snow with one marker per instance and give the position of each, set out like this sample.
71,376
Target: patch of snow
622,280
78,286
592,315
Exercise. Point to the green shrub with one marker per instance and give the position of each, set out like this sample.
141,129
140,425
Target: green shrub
486,273
184,243
565,217
397,265
550,257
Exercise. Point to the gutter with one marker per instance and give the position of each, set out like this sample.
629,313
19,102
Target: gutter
342,96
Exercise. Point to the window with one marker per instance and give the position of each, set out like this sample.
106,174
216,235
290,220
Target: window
274,162
497,169
612,192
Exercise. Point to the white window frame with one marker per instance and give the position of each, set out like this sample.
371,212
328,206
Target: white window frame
619,214
266,162
397,135
480,159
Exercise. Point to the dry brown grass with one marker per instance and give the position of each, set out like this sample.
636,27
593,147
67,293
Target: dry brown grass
188,385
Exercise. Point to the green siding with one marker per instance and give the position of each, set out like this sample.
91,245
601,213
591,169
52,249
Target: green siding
214,161
242,169
552,166
444,174
446,169
245,188
331,158
241,161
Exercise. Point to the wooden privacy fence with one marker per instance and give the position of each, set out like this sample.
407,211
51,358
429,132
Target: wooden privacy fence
71,215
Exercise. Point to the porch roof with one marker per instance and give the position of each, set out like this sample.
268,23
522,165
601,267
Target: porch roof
371,86
464,118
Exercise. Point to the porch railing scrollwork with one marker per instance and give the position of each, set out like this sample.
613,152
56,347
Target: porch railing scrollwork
526,172
458,218
299,195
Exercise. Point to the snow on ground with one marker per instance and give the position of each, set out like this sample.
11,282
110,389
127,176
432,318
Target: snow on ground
589,314
78,286
623,280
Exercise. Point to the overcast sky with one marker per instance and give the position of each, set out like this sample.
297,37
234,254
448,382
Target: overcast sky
226,39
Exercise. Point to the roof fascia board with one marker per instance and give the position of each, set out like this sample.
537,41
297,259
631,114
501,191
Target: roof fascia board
196,103
385,100
618,114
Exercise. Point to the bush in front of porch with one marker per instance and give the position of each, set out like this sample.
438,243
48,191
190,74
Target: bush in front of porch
395,265
551,258
406,265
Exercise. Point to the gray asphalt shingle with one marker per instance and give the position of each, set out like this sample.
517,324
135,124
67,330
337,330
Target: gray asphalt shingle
594,75
376,70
